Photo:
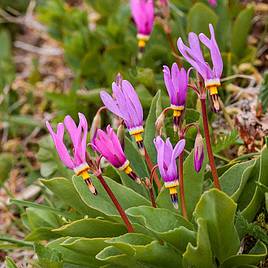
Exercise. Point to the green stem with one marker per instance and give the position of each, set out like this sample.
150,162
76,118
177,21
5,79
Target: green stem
208,144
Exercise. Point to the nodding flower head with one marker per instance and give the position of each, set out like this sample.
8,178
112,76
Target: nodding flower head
166,159
176,81
108,145
194,56
198,152
78,135
125,103
143,15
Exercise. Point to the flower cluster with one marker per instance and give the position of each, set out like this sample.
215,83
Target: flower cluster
125,104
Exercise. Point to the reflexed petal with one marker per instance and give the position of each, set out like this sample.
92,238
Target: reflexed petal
110,103
178,149
60,147
169,85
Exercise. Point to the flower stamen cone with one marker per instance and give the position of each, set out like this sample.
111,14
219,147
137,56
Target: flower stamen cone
83,172
129,171
172,187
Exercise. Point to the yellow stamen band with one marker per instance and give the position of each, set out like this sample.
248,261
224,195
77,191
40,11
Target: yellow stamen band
138,137
176,113
128,170
141,43
85,175
213,90
172,190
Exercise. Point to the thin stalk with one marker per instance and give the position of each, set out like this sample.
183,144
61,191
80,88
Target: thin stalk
153,171
116,203
150,166
151,191
181,186
208,144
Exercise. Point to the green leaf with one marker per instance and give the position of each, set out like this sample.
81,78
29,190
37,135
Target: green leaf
257,254
65,190
263,96
199,17
138,165
91,228
47,257
149,131
102,202
115,256
225,141
164,224
104,7
250,211
10,263
201,254
217,209
146,251
240,31
231,180
80,251
6,164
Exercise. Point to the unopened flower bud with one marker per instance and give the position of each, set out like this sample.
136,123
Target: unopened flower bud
198,152
159,124
96,124
121,135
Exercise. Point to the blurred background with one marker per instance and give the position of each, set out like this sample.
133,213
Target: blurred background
56,56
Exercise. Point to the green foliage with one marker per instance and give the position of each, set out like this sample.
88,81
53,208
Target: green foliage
6,164
225,141
264,92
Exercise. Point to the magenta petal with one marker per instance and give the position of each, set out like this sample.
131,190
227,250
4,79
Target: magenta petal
110,103
60,147
169,85
71,129
178,149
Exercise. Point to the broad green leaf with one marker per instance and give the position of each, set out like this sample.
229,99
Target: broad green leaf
245,176
102,202
199,17
80,251
231,180
146,251
115,256
138,165
47,257
6,163
64,189
201,254
91,228
44,218
217,209
240,31
149,131
41,233
257,254
246,195
164,224
266,201
250,211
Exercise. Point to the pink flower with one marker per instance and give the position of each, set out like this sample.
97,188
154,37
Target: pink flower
108,145
78,137
166,159
143,15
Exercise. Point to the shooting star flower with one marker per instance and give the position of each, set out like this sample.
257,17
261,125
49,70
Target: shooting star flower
176,81
125,103
78,136
108,145
166,159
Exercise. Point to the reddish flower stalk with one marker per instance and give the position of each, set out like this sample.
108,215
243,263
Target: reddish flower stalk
120,210
208,144
151,166
181,186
